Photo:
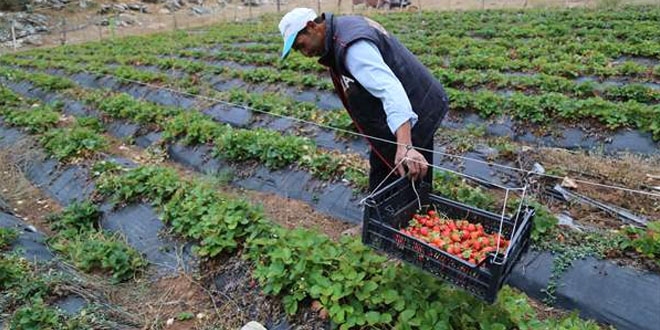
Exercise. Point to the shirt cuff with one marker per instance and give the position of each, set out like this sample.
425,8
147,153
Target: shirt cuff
395,121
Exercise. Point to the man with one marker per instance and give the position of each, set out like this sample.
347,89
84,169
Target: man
389,94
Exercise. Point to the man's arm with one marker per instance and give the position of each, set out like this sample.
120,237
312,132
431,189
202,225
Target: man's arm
366,64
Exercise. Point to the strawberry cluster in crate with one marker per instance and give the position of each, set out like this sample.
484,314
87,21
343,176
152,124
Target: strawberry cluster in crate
465,240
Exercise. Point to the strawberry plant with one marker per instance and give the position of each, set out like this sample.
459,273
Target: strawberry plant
151,183
269,147
452,186
95,251
125,106
36,315
38,119
8,99
637,92
130,73
12,269
76,141
80,238
77,218
7,237
201,214
644,241
324,166
49,82
630,68
19,283
192,128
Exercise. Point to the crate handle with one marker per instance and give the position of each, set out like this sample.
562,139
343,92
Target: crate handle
501,261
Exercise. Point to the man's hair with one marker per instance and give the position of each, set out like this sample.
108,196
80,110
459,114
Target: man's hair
319,19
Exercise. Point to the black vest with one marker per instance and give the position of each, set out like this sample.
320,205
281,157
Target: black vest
427,97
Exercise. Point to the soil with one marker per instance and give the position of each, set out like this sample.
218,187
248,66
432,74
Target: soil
628,171
25,200
292,214
177,299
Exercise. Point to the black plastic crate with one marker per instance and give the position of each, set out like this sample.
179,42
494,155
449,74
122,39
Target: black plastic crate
391,209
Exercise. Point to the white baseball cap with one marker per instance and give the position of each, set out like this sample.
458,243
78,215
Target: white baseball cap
292,23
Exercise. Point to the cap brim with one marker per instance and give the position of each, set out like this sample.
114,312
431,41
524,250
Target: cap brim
287,45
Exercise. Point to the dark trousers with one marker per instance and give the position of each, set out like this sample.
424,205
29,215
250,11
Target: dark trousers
379,170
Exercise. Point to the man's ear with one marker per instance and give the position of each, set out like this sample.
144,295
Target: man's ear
310,25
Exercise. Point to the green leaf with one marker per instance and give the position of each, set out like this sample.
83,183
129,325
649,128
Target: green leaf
315,291
372,317
390,295
337,313
370,286
406,315
399,305
290,305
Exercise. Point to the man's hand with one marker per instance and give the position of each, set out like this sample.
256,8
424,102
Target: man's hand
415,162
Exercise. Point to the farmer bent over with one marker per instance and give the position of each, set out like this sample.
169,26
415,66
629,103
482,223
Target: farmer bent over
390,95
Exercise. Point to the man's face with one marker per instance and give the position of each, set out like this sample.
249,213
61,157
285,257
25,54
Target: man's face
310,41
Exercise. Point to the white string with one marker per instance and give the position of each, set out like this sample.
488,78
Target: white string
419,200
372,193
526,172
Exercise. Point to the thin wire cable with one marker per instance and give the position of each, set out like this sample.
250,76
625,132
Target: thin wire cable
499,235
372,193
526,172
517,214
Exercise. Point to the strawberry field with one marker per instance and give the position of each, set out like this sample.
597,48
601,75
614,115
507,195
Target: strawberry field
192,179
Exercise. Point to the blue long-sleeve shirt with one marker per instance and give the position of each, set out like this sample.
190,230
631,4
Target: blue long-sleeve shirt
366,64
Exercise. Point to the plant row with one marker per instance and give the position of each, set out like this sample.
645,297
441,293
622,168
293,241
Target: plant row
277,151
220,224
158,184
67,139
270,148
29,289
355,286
272,71
538,109
280,151
453,78
508,48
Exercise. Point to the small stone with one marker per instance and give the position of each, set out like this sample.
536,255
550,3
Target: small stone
170,321
252,325
538,168
569,183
